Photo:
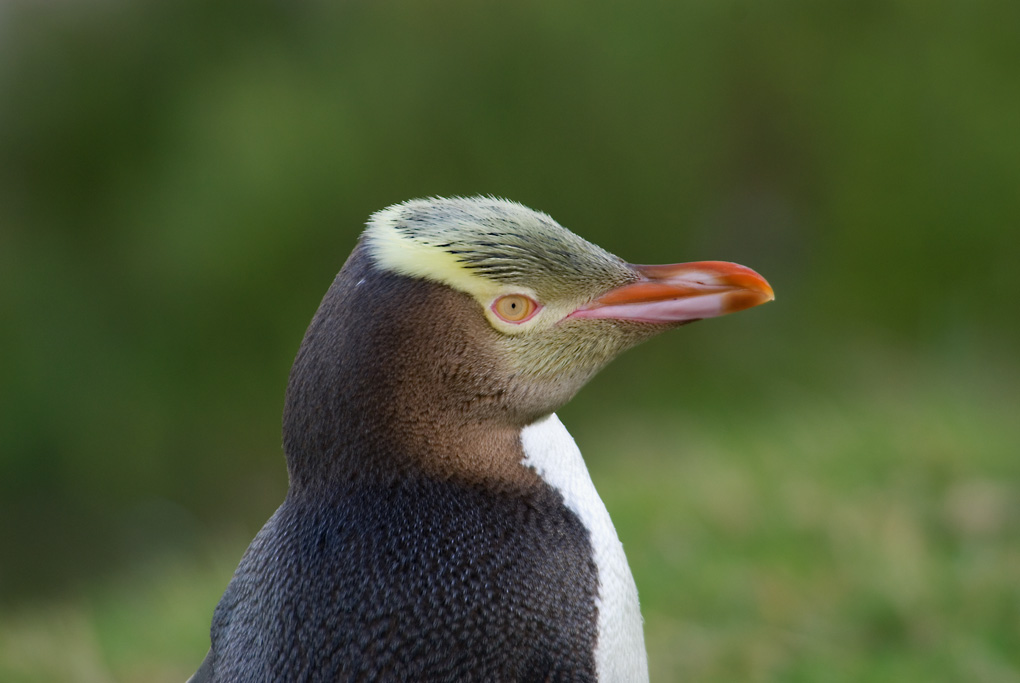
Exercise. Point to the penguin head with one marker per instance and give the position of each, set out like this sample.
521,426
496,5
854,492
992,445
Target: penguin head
554,307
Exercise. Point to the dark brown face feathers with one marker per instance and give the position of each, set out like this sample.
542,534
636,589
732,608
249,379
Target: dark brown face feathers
415,356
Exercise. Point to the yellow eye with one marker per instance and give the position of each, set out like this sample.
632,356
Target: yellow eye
514,308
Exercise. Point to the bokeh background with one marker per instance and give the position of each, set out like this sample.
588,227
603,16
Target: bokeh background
826,488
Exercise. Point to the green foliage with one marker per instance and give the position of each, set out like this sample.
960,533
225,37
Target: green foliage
179,182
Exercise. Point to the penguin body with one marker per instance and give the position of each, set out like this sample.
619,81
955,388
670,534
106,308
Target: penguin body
440,524
493,588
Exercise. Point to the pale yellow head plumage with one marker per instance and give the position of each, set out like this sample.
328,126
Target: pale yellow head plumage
488,248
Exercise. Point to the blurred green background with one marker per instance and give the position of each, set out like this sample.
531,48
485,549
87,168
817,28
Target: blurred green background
826,488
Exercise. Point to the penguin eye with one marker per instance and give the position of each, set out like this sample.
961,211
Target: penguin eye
514,308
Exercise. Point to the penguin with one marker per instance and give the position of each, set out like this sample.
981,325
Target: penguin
440,523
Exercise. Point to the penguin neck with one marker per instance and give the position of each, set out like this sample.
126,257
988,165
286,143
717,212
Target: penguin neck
398,378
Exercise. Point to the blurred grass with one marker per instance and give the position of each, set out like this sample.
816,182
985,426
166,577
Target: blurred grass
871,539
871,536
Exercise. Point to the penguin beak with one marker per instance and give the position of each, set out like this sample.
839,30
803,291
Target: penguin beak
681,292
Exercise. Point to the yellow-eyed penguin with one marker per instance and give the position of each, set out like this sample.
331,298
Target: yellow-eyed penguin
440,523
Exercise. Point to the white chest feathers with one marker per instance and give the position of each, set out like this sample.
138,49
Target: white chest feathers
620,652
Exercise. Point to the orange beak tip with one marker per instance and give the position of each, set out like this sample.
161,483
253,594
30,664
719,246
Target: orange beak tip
743,299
